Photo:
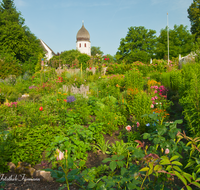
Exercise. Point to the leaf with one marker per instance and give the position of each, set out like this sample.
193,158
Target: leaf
123,171
113,165
146,135
164,162
120,163
174,157
177,163
194,176
144,169
189,164
168,167
82,163
196,184
150,171
157,168
178,121
180,177
198,170
177,168
106,160
91,184
151,165
188,187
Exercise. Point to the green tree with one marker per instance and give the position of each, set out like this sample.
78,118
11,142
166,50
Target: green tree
180,42
14,35
83,58
194,16
66,57
95,51
138,45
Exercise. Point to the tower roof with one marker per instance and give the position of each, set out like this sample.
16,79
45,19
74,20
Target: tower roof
83,34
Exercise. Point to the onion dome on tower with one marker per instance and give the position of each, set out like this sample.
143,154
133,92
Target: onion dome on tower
83,41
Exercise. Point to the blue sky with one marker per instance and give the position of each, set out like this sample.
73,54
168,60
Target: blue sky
57,22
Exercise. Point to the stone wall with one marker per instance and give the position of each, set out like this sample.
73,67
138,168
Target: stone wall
84,90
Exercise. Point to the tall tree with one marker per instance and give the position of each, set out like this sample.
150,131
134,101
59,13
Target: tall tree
181,41
95,51
138,45
194,16
7,5
15,37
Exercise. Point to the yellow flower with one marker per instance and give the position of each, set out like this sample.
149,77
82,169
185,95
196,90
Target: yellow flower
59,93
57,99
65,94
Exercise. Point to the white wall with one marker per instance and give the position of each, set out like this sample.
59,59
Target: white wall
84,49
49,53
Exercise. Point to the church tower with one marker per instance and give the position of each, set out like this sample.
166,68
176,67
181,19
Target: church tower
83,41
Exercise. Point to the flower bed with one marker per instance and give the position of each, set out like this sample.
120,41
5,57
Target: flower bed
70,127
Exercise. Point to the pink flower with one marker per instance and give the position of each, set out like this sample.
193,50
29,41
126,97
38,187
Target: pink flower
138,124
166,151
152,86
160,94
153,102
155,91
156,97
152,106
152,99
128,128
60,156
156,87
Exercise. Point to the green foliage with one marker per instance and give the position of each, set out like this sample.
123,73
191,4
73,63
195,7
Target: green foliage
133,79
180,42
76,140
65,58
95,51
138,45
102,146
15,36
193,15
83,59
9,65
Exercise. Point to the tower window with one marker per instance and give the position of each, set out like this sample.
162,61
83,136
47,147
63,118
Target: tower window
85,44
80,45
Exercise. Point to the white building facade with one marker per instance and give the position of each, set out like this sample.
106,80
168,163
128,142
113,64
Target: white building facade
83,43
48,51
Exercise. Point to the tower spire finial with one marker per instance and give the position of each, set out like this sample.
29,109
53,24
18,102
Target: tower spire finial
83,22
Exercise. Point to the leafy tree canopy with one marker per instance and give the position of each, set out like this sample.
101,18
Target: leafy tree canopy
138,45
15,37
95,51
66,57
180,42
194,16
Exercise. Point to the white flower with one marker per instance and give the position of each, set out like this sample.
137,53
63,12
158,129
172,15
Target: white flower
156,102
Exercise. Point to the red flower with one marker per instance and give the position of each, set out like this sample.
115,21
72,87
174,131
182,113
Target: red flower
65,100
41,108
105,59
90,68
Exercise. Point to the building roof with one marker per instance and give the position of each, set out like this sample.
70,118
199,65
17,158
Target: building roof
83,34
45,48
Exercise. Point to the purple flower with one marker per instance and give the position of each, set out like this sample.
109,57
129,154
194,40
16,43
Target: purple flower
30,87
70,99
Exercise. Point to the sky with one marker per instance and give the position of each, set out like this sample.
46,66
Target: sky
57,22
